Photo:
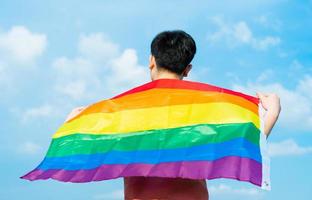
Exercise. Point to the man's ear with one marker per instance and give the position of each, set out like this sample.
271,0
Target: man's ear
152,62
187,70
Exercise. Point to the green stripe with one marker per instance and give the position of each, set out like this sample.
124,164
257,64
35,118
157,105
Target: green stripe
153,139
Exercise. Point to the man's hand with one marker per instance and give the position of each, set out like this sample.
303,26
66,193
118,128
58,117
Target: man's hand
74,113
271,103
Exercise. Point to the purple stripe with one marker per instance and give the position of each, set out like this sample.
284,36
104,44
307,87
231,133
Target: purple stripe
243,169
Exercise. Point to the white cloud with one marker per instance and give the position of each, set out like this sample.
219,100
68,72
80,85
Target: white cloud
74,89
266,42
226,190
3,77
240,34
305,86
287,147
114,195
19,50
76,78
19,45
73,67
29,148
265,75
98,47
269,21
98,69
126,71
296,104
55,109
86,78
39,112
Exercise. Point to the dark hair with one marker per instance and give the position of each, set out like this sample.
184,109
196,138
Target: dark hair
173,50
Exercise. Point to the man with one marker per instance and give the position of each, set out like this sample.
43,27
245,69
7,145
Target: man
171,56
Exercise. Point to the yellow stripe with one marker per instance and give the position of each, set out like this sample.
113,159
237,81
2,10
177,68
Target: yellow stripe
158,118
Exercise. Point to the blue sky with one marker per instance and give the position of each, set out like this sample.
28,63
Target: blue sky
57,55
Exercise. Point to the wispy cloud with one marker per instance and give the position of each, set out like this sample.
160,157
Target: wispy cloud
99,68
19,50
113,195
29,148
97,47
269,21
20,45
125,71
74,76
49,111
240,33
223,190
287,148
297,102
36,112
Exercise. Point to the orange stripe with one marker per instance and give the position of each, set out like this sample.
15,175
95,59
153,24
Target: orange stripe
186,85
158,97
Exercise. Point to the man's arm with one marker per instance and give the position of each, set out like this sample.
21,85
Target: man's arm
271,103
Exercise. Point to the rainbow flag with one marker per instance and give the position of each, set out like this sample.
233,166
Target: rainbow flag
164,128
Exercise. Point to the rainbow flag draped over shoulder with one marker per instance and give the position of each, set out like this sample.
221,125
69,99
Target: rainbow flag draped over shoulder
164,128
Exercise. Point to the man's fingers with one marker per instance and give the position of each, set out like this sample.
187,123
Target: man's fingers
75,112
80,108
260,94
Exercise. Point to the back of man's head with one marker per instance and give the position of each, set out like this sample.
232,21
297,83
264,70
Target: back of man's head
173,50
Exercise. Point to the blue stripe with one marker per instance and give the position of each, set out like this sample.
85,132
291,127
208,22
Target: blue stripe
209,152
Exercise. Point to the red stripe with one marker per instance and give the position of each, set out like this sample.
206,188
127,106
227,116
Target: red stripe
183,84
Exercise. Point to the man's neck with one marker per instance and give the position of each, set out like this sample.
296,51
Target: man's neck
168,76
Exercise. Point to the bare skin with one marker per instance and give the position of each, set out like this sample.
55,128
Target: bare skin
271,104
